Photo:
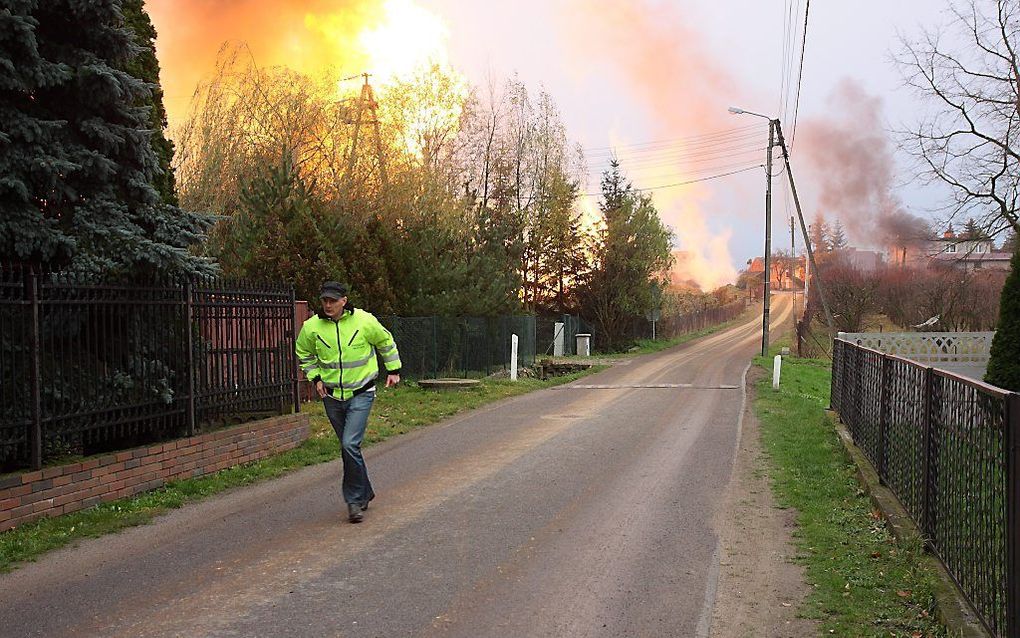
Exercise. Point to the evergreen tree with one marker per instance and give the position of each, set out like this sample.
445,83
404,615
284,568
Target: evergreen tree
633,250
77,164
145,67
274,235
971,230
1004,362
819,235
1010,244
837,239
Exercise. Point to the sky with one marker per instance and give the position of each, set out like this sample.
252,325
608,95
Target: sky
648,81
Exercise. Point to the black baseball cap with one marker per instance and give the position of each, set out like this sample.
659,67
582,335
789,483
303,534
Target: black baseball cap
332,290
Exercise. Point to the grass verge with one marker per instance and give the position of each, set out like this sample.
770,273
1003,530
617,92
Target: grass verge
397,410
865,582
648,346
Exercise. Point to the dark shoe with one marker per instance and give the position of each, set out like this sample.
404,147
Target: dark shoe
355,514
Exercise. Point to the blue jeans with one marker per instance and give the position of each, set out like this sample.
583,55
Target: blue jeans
349,419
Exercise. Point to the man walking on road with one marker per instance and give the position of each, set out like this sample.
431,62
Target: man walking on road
337,352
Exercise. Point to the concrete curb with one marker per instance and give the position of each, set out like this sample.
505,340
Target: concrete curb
953,609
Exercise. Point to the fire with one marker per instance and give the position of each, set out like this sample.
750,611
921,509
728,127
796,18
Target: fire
409,38
402,46
396,41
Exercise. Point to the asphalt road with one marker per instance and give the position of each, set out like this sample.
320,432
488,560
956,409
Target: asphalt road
574,511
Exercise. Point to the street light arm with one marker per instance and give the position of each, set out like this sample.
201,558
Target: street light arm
738,111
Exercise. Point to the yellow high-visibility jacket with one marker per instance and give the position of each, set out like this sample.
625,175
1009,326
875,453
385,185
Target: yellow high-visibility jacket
342,353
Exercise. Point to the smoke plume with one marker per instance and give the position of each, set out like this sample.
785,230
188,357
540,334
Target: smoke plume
849,163
666,66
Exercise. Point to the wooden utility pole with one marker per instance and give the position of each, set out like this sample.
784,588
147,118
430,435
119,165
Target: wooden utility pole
803,228
768,240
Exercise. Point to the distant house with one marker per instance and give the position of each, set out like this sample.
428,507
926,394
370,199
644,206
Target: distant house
863,260
953,251
784,276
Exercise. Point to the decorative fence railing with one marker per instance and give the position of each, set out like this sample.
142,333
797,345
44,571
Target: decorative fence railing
927,347
949,448
88,366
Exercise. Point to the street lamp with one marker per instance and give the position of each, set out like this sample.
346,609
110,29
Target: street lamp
768,223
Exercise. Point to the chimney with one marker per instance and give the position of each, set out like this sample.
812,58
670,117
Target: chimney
949,234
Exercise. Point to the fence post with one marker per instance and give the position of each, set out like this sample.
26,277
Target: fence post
1013,515
883,418
291,354
513,357
927,524
835,385
190,309
35,345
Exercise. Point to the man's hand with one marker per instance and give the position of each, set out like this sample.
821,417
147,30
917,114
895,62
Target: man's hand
392,380
321,389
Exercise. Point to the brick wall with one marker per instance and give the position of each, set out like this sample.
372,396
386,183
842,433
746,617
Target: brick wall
67,488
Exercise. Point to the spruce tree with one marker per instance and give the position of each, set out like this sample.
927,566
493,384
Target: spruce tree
1004,362
631,252
819,235
77,164
1010,244
145,67
838,238
971,230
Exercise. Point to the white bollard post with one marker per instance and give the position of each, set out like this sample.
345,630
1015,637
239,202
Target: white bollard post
777,363
513,357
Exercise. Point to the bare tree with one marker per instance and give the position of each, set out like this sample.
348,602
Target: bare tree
970,137
853,295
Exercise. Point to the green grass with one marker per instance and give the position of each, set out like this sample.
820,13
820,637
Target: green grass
864,582
397,410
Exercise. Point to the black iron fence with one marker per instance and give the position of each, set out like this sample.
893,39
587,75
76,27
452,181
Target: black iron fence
949,448
87,365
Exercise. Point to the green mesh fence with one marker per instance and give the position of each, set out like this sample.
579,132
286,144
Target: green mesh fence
433,347
570,328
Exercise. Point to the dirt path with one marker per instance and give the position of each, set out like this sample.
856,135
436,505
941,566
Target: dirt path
760,587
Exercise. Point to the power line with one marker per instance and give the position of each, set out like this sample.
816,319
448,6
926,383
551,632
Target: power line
682,158
800,74
786,66
688,182
649,173
680,141
744,139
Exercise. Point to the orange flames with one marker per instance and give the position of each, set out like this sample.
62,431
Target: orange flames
683,90
392,40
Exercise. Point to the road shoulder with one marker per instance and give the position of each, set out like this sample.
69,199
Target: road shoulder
760,587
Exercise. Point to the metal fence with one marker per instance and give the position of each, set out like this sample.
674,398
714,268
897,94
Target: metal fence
460,346
681,324
949,448
88,366
546,331
677,325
